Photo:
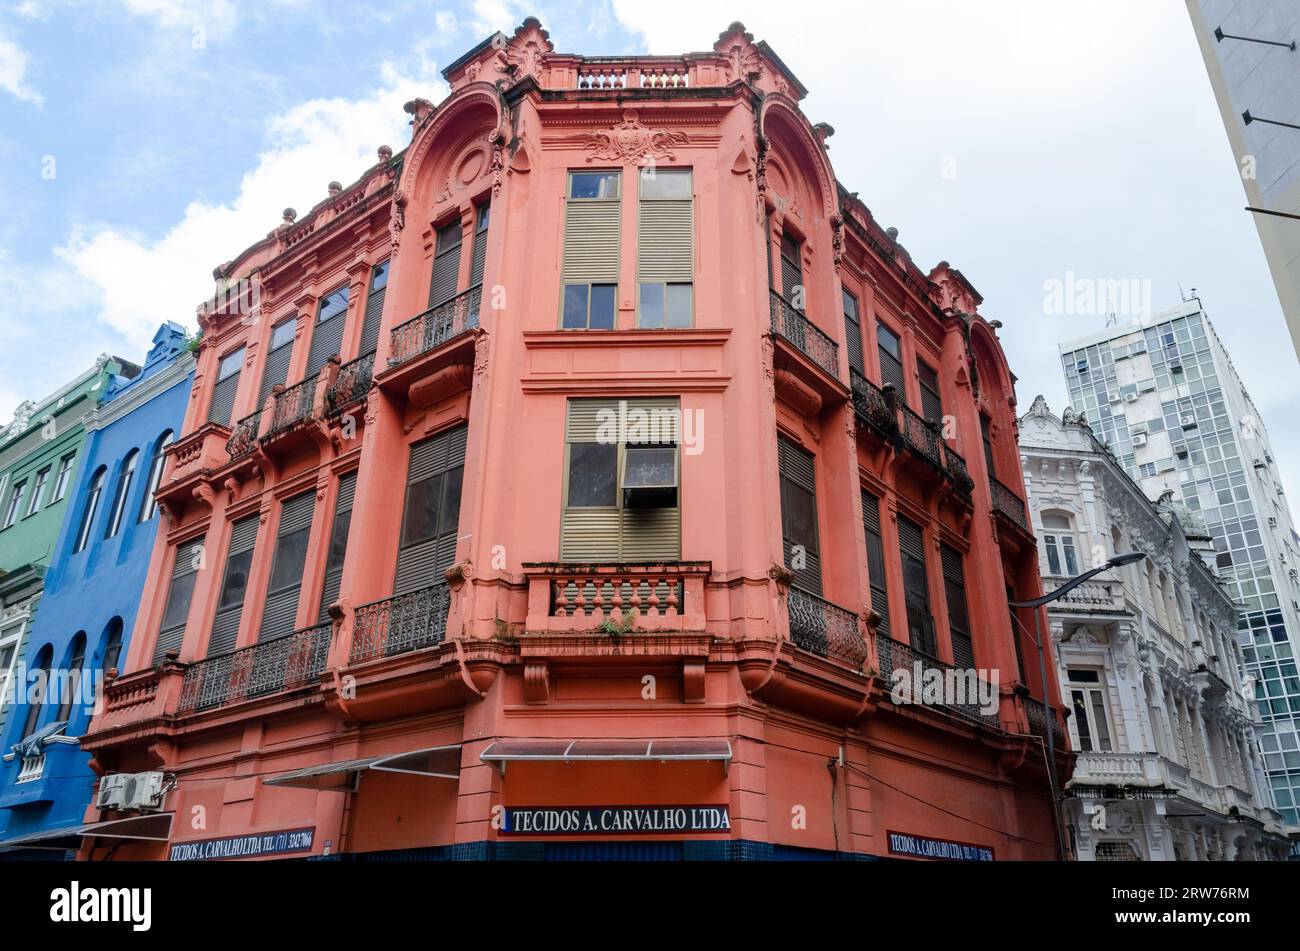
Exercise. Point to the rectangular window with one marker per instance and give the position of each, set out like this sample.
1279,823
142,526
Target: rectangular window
38,490
8,653
327,336
665,249
621,483
891,360
61,479
482,216
792,288
853,333
1090,717
445,278
276,371
799,533
954,589
431,516
1061,556
281,608
374,308
591,251
234,585
171,633
223,393
931,403
15,503
876,560
916,587
988,445
338,544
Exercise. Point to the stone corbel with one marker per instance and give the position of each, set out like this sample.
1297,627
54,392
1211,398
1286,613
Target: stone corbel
693,680
537,682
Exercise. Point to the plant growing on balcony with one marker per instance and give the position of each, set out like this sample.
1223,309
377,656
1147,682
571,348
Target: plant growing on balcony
617,628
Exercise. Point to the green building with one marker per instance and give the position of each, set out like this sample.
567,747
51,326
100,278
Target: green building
40,452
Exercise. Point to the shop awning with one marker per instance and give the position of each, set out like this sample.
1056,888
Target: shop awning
439,762
150,827
608,750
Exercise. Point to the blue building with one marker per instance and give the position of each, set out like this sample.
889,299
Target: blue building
92,590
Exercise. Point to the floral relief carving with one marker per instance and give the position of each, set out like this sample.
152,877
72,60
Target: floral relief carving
527,49
631,141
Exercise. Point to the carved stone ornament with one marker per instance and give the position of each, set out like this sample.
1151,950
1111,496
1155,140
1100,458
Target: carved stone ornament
630,141
526,51
743,60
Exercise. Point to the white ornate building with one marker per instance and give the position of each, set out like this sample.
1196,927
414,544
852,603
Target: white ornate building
1168,760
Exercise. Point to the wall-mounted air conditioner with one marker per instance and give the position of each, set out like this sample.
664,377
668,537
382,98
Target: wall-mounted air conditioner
1139,439
143,791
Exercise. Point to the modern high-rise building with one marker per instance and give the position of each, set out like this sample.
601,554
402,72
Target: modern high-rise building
581,482
1252,54
1164,396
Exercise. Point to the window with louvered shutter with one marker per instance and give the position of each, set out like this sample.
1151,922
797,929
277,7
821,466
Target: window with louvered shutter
891,360
338,543
799,515
665,249
482,216
234,585
954,588
1015,635
987,440
223,393
374,308
185,569
597,524
876,559
446,264
853,333
792,271
327,337
281,606
592,216
276,371
916,590
431,516
931,403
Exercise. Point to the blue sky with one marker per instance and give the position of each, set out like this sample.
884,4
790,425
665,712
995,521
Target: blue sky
1018,140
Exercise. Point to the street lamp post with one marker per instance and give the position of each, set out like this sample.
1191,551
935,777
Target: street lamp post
1049,720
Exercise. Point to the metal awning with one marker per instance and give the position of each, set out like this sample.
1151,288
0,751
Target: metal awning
440,762
711,749
149,827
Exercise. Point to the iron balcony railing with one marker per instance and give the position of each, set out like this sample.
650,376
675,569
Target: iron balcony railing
261,669
352,383
921,436
872,405
958,684
1008,504
825,629
1039,716
435,326
244,439
955,464
293,405
401,623
789,323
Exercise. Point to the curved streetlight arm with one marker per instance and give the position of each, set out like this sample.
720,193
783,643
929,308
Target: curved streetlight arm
1062,590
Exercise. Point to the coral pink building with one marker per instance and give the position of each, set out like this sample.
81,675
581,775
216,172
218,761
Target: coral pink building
572,484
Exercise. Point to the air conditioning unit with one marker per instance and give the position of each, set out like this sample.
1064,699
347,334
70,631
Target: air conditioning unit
1180,452
1188,422
1139,439
143,791
1112,397
1176,368
1130,397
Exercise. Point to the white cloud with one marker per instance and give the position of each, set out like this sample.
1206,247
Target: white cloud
143,282
13,72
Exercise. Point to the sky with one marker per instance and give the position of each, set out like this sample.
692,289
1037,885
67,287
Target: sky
144,142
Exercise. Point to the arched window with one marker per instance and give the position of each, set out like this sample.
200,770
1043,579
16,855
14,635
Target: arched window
124,481
112,645
92,506
37,685
1058,539
148,507
70,682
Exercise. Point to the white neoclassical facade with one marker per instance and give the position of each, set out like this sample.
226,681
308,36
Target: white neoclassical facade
1168,764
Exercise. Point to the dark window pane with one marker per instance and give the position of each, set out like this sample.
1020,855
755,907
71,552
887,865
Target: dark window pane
592,474
339,540
593,185
178,601
236,580
290,555
678,305
449,513
484,216
800,510
888,340
421,522
335,304
379,277
652,305
575,306
448,237
602,307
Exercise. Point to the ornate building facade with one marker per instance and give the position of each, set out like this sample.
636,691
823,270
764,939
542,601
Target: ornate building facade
1168,761
573,484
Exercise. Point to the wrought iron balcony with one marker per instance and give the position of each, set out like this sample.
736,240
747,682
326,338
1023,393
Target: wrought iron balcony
790,324
1039,715
955,465
401,623
921,437
435,326
894,655
872,405
352,383
244,439
261,669
825,629
293,405
1009,505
